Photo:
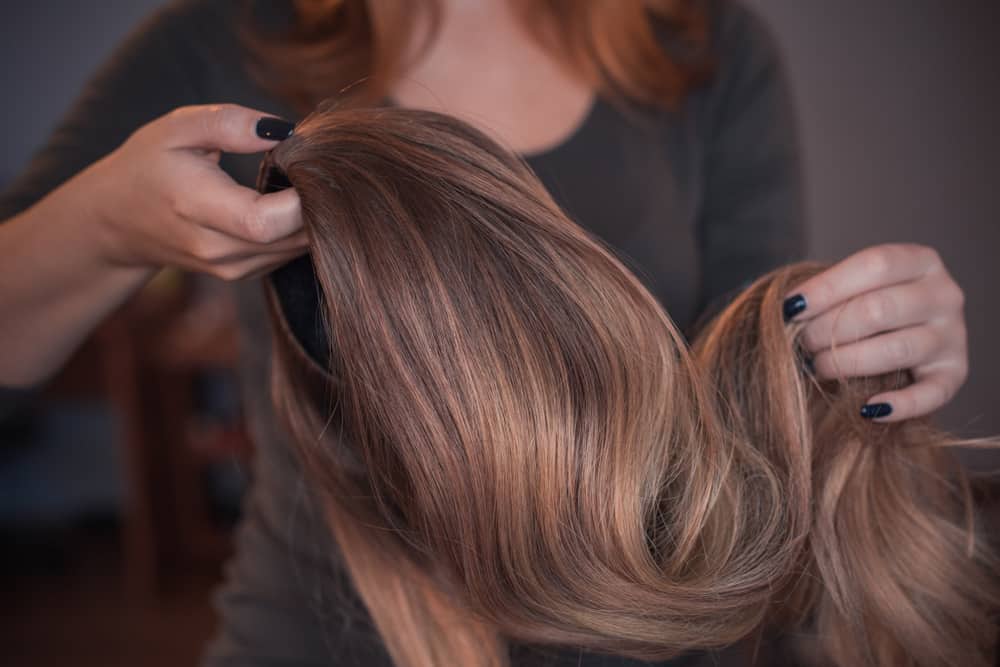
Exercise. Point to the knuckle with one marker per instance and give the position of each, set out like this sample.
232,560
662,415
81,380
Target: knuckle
899,351
220,120
255,227
229,120
823,291
879,261
954,296
179,116
878,310
930,256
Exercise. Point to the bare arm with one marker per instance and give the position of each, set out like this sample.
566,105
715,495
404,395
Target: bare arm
128,182
55,287
158,200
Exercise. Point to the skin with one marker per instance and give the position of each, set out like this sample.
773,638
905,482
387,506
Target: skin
91,243
87,246
886,308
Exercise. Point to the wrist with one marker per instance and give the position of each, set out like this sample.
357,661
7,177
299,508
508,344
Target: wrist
89,209
75,222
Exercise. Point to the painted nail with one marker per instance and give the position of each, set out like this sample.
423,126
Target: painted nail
875,410
793,306
276,129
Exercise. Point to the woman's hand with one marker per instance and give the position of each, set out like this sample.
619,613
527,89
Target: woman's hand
161,198
887,308
158,199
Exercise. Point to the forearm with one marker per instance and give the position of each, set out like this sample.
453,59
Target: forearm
56,286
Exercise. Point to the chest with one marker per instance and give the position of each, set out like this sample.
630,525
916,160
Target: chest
484,67
632,179
634,182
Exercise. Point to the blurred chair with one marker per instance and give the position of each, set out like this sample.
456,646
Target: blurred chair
176,337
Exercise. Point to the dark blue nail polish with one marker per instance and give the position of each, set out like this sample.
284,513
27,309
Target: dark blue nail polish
273,128
793,306
876,410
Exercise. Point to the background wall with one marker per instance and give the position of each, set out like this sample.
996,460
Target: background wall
897,101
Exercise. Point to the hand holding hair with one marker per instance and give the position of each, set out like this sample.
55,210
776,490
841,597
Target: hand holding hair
887,308
513,442
159,199
162,199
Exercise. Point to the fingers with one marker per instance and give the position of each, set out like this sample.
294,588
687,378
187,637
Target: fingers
228,127
874,312
249,267
906,348
221,204
931,391
869,269
209,247
206,250
887,308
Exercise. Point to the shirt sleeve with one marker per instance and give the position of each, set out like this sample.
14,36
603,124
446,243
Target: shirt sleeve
751,215
150,73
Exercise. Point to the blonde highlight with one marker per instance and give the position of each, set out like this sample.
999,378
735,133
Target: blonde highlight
515,443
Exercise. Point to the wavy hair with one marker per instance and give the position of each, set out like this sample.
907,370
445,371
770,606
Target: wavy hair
513,442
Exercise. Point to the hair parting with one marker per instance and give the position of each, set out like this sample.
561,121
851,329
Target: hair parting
514,443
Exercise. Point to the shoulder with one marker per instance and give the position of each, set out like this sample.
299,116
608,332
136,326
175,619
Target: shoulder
201,27
737,28
201,42
749,81
730,33
744,47
743,59
267,14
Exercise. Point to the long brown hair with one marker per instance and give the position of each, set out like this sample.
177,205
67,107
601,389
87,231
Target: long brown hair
513,441
650,52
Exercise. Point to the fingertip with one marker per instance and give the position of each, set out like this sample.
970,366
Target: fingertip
875,410
282,212
793,306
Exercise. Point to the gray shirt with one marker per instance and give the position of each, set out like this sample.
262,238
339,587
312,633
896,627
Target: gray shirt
697,202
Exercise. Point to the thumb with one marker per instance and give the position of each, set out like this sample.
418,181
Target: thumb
227,127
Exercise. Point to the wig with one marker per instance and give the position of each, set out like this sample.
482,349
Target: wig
513,442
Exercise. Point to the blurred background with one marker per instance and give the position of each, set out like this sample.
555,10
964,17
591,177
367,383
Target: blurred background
120,481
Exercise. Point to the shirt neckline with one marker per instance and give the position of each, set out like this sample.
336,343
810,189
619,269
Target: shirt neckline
546,152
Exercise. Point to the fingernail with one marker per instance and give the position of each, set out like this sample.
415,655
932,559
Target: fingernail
276,129
793,306
875,410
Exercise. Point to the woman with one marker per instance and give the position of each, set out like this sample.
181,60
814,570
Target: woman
699,199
